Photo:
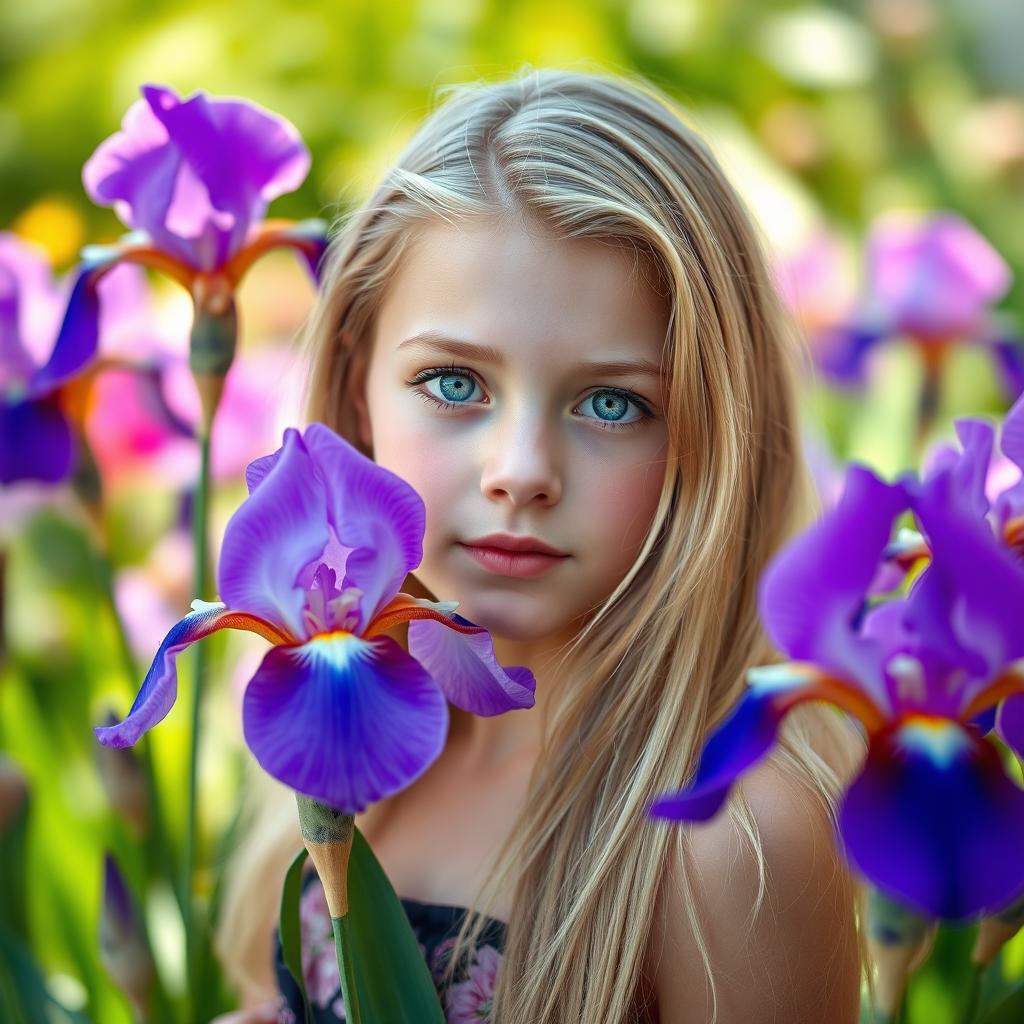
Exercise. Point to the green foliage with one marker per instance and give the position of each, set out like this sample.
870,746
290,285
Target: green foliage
391,974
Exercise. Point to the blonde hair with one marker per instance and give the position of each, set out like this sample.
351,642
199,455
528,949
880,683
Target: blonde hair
663,659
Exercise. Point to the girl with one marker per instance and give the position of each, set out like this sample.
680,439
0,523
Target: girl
554,320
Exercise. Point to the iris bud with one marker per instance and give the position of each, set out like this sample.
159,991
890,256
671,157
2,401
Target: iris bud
124,949
212,344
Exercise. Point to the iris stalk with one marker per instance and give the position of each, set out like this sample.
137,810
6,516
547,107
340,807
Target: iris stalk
200,530
970,1007
327,835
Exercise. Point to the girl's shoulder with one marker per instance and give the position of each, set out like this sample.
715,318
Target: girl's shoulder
796,958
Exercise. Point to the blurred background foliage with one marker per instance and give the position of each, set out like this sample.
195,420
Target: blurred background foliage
824,115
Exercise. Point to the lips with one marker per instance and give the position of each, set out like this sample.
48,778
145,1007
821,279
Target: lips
503,562
506,542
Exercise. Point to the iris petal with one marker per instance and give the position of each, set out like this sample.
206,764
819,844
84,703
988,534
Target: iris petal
982,581
375,513
272,537
842,352
810,598
344,720
749,732
35,442
971,469
79,332
240,154
1010,503
160,687
464,666
934,821
256,471
135,171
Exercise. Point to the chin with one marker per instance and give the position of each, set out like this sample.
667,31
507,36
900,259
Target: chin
513,617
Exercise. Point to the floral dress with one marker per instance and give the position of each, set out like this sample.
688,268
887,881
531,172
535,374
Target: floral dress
467,998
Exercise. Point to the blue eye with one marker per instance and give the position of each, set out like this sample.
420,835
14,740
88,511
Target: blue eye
456,386
611,404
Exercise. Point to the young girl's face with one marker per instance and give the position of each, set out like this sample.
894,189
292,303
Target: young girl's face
524,438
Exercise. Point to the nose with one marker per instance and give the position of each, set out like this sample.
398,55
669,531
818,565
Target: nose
521,465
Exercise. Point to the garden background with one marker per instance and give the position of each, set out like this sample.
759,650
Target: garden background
824,115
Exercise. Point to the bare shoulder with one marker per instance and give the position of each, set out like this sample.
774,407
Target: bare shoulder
796,960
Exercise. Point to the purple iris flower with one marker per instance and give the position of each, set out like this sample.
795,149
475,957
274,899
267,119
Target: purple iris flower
1001,507
313,561
932,819
193,178
931,279
39,352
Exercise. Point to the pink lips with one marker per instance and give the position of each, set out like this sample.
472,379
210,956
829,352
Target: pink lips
506,555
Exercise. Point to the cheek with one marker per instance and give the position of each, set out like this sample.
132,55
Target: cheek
435,467
622,500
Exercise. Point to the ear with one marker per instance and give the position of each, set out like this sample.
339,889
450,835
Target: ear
357,374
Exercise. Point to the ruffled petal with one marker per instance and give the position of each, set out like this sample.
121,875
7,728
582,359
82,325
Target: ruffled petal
374,512
238,157
1010,504
160,687
239,149
35,442
274,534
464,666
812,593
970,469
136,171
344,720
982,584
934,821
749,732
257,470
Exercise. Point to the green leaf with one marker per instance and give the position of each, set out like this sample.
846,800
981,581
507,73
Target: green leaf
393,980
290,927
13,871
1009,1011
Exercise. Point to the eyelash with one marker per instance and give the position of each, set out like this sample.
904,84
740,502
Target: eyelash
441,371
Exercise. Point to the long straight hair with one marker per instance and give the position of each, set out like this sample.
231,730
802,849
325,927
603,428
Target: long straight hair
663,659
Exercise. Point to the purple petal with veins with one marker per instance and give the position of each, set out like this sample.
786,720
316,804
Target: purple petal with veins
374,513
272,537
196,174
464,666
344,720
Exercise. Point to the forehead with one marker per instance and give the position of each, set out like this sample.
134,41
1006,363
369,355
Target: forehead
533,297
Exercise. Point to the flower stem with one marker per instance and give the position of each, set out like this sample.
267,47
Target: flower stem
343,947
930,394
970,1007
200,517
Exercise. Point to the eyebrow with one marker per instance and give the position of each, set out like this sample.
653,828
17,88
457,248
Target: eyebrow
487,354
